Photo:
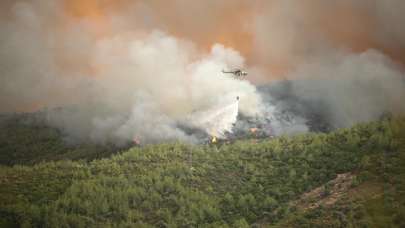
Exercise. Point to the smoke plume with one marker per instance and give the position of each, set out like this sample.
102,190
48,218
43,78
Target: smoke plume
115,71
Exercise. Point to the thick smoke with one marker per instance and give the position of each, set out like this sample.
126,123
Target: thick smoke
121,87
290,32
342,61
125,70
351,89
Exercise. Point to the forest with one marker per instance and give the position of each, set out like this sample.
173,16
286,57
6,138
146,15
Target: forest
351,177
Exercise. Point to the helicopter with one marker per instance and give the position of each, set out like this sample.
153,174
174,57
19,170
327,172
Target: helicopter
238,73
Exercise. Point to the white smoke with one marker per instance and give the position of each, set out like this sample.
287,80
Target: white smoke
217,121
154,83
124,86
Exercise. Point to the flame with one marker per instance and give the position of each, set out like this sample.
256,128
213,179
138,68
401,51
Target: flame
136,141
214,139
254,130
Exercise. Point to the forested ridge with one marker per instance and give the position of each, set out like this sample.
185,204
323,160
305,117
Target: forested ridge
26,139
246,183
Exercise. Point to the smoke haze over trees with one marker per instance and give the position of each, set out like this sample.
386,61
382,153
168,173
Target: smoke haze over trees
125,69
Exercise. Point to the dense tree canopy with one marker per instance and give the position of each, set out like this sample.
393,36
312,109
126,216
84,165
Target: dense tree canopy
230,185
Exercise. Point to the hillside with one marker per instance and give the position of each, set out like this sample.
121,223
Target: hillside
280,182
26,139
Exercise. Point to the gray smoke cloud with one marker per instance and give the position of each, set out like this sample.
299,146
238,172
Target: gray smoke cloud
352,88
336,92
138,69
343,59
291,32
144,83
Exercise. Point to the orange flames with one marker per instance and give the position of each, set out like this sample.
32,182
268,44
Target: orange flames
136,141
253,130
214,139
